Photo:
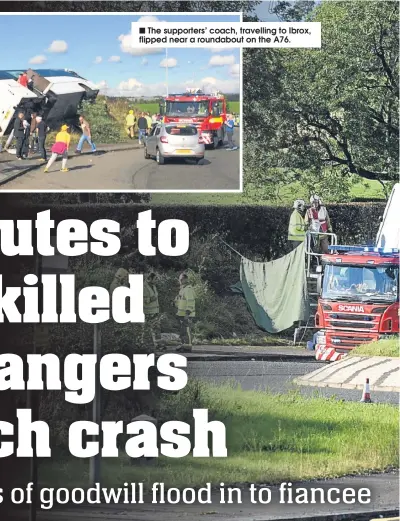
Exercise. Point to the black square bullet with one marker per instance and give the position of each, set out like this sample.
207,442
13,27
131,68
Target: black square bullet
142,30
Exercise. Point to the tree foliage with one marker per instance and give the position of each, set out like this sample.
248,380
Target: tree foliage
326,117
293,11
136,6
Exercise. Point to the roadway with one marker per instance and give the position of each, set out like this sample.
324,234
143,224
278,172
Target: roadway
275,376
128,170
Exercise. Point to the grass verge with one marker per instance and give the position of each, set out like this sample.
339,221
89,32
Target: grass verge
251,340
389,347
270,438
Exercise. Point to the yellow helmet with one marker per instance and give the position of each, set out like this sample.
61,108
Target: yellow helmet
131,112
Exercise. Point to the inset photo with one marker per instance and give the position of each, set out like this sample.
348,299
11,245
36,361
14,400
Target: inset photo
83,109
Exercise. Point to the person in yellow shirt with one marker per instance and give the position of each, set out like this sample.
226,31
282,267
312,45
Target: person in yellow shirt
149,121
60,148
186,304
130,124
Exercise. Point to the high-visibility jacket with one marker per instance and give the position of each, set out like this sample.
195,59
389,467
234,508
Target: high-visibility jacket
318,220
130,120
150,299
149,122
186,302
297,228
121,278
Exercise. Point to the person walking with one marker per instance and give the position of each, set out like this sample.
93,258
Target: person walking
130,124
149,120
19,134
186,304
229,129
86,135
33,133
151,309
60,148
297,226
42,130
142,126
27,131
317,220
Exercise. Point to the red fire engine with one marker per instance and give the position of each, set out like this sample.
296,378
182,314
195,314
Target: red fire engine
359,300
206,111
357,290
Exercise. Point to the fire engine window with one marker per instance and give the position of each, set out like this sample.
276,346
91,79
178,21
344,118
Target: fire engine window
217,108
182,131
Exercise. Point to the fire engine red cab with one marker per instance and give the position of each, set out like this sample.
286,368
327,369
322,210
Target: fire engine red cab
206,111
359,299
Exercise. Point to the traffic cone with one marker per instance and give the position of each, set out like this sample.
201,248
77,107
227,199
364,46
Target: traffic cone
366,396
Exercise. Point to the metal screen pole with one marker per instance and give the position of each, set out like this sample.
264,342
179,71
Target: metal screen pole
95,462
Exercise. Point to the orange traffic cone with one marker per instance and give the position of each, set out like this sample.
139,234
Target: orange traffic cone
366,396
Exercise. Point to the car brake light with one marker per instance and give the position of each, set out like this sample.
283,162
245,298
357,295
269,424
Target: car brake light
163,139
201,140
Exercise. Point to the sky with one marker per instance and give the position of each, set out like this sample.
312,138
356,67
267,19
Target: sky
97,48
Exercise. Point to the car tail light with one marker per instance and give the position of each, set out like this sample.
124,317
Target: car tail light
201,140
163,139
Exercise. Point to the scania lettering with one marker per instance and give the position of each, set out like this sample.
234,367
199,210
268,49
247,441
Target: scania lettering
206,111
354,309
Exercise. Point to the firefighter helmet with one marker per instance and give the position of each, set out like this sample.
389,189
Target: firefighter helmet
298,204
315,199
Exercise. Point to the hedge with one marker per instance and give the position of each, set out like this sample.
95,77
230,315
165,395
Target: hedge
257,230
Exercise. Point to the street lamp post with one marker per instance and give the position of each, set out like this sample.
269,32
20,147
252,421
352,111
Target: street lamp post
55,265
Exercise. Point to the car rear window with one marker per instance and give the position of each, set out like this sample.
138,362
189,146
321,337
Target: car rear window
181,130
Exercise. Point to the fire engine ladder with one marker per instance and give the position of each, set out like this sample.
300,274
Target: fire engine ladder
313,274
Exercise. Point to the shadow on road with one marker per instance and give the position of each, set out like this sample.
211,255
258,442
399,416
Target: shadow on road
82,167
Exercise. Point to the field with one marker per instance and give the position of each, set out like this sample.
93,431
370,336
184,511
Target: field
270,438
153,108
371,190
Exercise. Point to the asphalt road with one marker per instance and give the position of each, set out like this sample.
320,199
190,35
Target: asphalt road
277,377
384,500
129,170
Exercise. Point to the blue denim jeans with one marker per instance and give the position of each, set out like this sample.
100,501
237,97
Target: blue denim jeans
89,142
142,134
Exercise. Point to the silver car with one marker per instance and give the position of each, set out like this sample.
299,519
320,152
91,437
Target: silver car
172,140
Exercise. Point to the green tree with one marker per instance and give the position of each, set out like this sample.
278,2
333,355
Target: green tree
293,11
328,117
139,6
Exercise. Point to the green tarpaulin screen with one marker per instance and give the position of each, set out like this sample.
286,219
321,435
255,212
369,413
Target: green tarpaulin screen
276,291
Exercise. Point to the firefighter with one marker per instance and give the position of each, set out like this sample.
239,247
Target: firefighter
121,278
151,308
317,220
130,124
186,304
297,226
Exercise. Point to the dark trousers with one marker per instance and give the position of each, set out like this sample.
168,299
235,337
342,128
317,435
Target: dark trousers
42,147
25,148
229,135
186,324
20,146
